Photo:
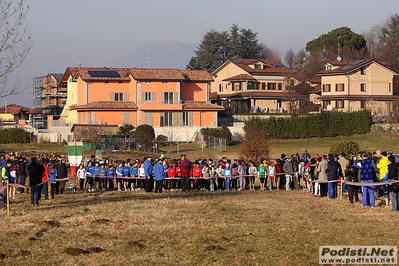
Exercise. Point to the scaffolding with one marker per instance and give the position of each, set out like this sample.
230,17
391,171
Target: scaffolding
37,91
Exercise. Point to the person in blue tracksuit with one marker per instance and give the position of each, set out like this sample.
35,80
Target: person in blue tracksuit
89,175
95,171
365,164
126,173
159,173
111,175
133,173
119,175
148,172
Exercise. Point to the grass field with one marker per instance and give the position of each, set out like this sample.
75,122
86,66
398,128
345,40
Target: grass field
222,228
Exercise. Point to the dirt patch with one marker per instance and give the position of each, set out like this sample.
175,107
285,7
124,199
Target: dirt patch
25,253
213,247
137,244
95,250
226,239
102,221
45,223
75,251
32,239
78,251
96,235
40,233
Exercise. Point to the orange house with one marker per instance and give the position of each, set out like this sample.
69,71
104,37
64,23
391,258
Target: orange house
157,97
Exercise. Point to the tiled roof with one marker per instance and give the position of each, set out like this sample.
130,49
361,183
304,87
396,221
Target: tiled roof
201,105
106,105
196,75
314,80
271,66
35,111
350,66
57,76
13,109
359,97
240,77
83,73
258,94
70,71
156,74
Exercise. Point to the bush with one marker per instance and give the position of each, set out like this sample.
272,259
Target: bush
126,130
220,132
254,147
144,134
346,146
325,124
161,140
14,135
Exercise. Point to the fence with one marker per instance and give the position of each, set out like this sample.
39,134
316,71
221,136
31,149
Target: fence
118,143
210,142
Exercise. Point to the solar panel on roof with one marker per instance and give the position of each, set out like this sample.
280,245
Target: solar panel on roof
346,68
100,73
358,62
236,61
114,73
92,73
274,64
107,74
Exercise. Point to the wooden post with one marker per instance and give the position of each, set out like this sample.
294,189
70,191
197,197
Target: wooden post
341,189
8,200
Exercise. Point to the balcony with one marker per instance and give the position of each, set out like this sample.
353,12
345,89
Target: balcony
146,105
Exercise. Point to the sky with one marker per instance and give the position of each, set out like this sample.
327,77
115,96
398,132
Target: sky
99,31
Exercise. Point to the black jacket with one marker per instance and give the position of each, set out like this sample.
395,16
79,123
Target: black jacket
393,174
352,174
62,171
333,170
35,173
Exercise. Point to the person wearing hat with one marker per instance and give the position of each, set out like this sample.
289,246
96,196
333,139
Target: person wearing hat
382,166
159,174
148,172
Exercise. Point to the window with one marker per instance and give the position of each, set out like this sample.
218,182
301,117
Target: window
258,66
220,87
363,71
117,96
166,119
339,104
252,86
340,87
120,82
183,83
164,82
326,87
148,97
271,86
363,87
148,118
329,67
107,82
147,82
237,86
326,104
167,97
186,119
362,104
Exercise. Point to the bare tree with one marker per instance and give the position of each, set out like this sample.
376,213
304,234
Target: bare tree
290,58
269,53
14,43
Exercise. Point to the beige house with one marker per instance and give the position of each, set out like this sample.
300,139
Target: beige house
356,85
248,85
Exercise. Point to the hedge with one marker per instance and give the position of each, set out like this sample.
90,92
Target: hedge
14,135
220,132
324,124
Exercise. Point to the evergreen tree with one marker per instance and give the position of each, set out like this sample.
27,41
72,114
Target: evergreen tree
234,42
249,46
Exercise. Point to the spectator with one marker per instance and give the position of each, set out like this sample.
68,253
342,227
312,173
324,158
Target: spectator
35,178
365,164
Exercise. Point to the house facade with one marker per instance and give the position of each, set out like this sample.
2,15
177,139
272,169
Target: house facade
163,98
248,85
355,85
51,94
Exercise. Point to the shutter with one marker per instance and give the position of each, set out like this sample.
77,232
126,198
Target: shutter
239,87
280,86
112,96
181,97
143,96
324,87
263,86
343,104
153,96
175,98
126,118
174,116
268,86
220,87
336,104
125,96
336,87
232,86
162,97
181,119
190,119
162,122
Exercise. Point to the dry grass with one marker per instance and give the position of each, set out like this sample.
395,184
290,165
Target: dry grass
136,228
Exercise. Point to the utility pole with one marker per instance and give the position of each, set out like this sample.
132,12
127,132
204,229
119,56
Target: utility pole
148,57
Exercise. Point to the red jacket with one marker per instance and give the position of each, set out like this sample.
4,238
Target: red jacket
171,171
178,172
197,171
184,167
45,174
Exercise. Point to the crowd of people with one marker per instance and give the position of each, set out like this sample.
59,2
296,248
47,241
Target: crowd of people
319,175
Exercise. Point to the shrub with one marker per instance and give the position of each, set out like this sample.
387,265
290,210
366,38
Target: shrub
161,140
325,124
126,130
14,135
254,147
144,134
220,132
346,146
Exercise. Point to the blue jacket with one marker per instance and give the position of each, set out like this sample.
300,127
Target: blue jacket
53,176
148,168
126,171
111,173
119,171
95,170
366,169
133,171
227,172
89,170
159,172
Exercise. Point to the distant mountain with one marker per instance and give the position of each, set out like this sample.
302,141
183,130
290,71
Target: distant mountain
162,55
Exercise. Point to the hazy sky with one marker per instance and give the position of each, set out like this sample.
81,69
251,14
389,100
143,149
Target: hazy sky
100,31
